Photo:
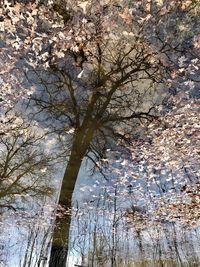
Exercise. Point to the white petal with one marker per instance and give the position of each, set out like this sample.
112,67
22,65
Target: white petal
80,74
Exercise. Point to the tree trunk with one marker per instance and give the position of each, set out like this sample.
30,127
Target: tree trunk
81,143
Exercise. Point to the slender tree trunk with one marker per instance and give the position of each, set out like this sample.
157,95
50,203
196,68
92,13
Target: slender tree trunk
114,228
59,249
82,140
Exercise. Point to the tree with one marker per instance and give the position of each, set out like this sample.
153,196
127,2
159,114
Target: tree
22,161
26,171
110,100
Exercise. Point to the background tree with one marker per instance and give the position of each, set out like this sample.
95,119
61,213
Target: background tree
23,161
